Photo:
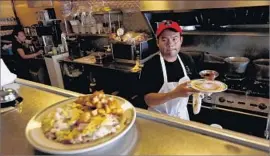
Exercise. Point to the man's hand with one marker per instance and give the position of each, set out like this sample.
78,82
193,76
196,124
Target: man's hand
183,90
39,52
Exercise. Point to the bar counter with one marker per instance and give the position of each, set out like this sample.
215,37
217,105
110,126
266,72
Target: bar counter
157,134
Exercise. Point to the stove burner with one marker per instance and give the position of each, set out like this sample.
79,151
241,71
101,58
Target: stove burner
247,86
236,84
234,77
263,81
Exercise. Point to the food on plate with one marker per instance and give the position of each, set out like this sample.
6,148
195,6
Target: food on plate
208,86
87,119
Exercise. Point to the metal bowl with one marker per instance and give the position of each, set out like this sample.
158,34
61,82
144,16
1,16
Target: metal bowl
236,60
236,65
8,95
208,73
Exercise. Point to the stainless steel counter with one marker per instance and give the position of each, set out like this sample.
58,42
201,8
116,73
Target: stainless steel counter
111,65
158,134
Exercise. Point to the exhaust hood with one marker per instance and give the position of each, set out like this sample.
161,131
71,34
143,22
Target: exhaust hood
180,5
233,17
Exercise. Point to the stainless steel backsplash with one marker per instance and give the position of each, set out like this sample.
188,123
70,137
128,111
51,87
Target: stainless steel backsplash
249,46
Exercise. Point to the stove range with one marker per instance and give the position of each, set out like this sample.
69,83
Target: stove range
243,93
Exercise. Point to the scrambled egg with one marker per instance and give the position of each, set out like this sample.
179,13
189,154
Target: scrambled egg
90,117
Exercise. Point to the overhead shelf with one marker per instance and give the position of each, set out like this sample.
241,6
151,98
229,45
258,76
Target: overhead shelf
87,34
226,33
107,12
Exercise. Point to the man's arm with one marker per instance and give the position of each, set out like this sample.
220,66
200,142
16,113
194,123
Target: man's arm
29,56
153,99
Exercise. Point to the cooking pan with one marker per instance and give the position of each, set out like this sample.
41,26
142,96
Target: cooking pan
236,65
262,68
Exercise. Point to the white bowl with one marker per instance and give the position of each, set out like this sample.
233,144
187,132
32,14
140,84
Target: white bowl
36,137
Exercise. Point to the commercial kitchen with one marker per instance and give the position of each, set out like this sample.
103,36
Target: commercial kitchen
88,46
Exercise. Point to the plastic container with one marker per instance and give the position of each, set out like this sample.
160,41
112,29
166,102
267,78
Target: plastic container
75,29
82,29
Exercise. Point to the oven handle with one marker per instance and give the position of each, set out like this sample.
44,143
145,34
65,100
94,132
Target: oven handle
233,111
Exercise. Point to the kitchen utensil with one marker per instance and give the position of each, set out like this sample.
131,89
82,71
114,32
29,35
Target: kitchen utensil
236,65
262,68
93,30
99,28
9,97
209,73
211,58
208,86
100,57
36,137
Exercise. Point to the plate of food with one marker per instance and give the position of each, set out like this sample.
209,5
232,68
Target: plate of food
208,86
80,124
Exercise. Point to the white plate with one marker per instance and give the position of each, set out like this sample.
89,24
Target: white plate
208,86
36,137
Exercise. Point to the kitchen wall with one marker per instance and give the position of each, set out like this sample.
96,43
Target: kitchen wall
27,15
6,9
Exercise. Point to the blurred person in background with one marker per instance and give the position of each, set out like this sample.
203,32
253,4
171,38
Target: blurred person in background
22,53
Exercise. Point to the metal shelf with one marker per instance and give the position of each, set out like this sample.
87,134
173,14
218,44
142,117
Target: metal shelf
263,34
87,34
4,25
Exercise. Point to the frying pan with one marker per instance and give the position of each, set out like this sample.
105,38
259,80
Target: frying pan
262,68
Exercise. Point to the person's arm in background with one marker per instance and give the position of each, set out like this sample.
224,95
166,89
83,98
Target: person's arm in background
28,56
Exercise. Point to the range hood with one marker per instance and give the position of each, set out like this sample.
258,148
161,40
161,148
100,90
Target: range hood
201,16
180,5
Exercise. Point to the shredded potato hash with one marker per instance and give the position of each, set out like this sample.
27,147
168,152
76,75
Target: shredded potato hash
88,118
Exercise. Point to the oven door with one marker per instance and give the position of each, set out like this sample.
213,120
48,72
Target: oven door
123,51
232,120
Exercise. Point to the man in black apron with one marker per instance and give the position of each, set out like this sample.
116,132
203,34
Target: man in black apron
165,77
22,53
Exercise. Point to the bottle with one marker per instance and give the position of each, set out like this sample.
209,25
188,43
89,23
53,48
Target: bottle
54,50
92,84
64,42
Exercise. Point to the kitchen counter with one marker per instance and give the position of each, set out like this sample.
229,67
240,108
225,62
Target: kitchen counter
158,134
110,65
